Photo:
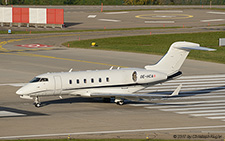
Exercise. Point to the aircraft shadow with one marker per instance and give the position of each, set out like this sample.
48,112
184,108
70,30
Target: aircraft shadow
72,100
99,100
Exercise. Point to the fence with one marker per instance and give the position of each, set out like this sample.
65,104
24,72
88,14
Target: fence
29,16
114,2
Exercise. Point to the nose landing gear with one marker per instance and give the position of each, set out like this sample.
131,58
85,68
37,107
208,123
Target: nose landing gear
37,102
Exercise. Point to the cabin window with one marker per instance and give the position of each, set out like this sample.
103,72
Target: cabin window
70,81
85,80
107,79
100,80
92,80
78,81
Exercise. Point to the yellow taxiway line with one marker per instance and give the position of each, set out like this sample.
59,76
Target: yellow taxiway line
21,53
58,58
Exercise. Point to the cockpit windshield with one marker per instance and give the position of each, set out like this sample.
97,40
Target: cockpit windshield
38,79
35,79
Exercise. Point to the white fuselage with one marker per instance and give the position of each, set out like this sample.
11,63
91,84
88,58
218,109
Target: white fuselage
85,83
119,83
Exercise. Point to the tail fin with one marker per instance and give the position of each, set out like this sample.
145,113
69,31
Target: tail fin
171,62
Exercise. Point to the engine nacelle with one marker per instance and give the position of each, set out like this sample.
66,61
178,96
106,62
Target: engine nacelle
148,76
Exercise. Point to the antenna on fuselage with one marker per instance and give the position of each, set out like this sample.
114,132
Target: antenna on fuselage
111,68
71,70
118,68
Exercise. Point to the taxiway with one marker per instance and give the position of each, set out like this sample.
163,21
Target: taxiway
91,118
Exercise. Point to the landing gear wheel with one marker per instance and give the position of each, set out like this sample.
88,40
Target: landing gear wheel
37,102
37,105
120,103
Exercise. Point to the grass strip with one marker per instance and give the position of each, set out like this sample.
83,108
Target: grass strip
153,9
159,44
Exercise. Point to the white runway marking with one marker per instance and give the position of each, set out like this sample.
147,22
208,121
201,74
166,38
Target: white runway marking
216,12
206,111
187,90
213,20
154,22
201,76
184,102
210,114
7,114
194,102
209,88
180,106
113,132
109,20
168,88
216,117
92,16
140,105
196,80
206,81
185,109
116,13
197,97
168,11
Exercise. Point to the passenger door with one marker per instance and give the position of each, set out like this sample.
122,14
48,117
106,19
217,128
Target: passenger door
58,85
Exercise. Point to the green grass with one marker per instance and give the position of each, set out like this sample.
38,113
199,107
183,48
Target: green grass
159,44
152,9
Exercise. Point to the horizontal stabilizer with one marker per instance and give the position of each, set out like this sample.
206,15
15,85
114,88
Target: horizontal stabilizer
197,48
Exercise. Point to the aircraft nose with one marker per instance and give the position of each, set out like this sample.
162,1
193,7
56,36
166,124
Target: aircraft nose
19,92
22,91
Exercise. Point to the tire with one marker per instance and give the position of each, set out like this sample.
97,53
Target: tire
120,103
38,105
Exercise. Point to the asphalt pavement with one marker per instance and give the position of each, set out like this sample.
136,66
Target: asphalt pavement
91,118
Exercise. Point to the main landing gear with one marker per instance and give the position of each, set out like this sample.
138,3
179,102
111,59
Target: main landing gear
37,102
119,102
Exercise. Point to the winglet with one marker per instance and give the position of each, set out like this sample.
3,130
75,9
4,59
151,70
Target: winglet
176,92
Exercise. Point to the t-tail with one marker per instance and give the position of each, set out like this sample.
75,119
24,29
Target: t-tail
171,62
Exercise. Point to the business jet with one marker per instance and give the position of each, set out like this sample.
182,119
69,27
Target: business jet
120,84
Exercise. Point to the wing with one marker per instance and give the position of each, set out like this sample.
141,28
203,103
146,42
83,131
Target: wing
136,95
